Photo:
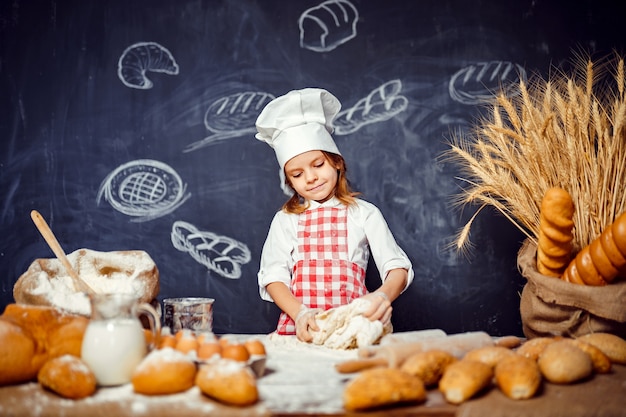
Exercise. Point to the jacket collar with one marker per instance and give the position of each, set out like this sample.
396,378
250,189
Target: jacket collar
333,202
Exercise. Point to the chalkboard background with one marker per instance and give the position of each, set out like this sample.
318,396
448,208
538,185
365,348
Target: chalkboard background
78,138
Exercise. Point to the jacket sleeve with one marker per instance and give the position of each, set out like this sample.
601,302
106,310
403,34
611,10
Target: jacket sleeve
386,252
277,255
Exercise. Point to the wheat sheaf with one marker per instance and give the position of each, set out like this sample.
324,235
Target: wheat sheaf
565,131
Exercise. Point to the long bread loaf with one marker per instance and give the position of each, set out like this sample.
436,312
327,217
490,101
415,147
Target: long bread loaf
603,259
554,247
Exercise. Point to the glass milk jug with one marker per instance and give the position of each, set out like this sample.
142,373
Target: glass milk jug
114,342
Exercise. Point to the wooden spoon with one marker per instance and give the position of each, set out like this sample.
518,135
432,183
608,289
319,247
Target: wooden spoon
52,241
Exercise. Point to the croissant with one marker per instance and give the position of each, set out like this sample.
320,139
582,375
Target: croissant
555,232
603,259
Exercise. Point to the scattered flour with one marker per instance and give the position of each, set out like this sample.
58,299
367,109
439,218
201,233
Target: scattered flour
298,377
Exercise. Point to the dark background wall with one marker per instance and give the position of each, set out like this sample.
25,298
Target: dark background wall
113,164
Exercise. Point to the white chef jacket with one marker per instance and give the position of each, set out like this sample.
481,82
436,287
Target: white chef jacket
367,230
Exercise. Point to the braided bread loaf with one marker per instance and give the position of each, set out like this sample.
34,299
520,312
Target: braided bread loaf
603,259
555,232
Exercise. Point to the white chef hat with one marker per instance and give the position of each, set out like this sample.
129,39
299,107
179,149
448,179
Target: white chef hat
298,122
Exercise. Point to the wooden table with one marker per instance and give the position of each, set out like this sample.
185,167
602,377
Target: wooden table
297,382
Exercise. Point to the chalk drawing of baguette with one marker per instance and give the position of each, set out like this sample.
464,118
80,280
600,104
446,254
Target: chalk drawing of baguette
232,116
381,104
139,58
480,82
220,254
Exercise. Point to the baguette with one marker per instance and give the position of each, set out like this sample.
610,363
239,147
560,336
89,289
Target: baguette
555,232
518,377
464,379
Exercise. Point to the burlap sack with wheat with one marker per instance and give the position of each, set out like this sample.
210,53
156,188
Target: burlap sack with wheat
553,307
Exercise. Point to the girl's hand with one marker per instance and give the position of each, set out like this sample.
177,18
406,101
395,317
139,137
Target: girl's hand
305,320
380,307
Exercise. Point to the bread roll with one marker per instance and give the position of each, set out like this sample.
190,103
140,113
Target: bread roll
611,345
380,387
428,366
46,282
68,376
33,335
228,381
464,379
555,232
489,355
17,350
563,363
600,361
164,371
533,348
518,377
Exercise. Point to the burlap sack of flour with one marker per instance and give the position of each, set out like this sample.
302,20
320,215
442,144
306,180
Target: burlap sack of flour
553,307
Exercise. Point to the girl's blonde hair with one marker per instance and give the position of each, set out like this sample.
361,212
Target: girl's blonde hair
343,191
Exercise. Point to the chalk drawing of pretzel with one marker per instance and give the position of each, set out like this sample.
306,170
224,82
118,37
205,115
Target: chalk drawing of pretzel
141,57
220,254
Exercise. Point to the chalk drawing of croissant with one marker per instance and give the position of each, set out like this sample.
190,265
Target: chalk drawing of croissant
139,58
220,254
232,116
479,82
381,104
328,25
144,189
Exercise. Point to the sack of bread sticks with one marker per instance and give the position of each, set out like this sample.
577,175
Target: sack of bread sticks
550,306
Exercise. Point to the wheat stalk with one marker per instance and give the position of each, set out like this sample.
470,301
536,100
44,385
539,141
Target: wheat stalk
568,132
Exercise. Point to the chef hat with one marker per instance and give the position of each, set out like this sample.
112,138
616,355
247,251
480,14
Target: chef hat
298,122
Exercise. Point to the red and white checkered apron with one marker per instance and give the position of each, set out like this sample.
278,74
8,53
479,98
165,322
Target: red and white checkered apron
324,277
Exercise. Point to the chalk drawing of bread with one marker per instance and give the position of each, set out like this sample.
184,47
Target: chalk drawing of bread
139,58
479,82
232,116
220,254
381,104
328,25
144,189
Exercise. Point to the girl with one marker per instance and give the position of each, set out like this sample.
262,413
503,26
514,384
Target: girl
318,245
